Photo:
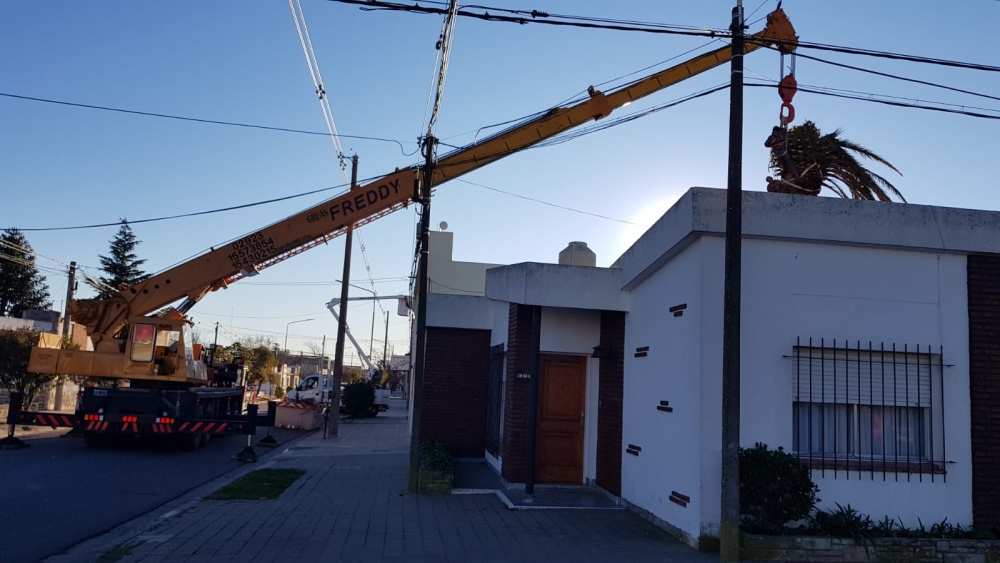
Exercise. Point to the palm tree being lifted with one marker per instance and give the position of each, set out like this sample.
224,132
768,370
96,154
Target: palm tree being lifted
807,161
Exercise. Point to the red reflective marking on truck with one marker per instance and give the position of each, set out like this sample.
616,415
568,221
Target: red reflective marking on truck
196,426
221,428
184,426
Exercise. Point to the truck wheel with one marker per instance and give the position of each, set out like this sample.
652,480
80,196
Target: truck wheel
92,440
204,439
187,442
374,410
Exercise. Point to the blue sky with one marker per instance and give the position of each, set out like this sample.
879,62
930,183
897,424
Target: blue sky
241,61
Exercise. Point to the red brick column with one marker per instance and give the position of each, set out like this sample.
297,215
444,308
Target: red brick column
609,411
455,389
516,391
983,273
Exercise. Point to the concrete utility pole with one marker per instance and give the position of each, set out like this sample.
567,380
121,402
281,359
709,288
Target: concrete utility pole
418,353
385,344
729,530
338,355
67,325
322,357
70,288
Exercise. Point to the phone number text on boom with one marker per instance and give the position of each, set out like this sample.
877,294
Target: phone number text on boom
251,249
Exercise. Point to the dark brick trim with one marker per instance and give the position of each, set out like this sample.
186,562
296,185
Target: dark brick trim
516,394
983,273
455,389
610,395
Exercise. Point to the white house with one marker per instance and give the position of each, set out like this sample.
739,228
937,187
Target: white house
870,346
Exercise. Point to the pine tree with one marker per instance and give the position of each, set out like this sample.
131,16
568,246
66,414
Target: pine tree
21,286
122,267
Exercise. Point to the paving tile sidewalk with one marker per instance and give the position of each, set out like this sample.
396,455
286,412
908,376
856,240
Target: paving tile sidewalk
352,504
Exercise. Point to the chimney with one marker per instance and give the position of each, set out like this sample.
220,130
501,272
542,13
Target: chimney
577,254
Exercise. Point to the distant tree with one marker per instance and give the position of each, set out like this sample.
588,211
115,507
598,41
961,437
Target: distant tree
122,267
15,350
808,161
260,361
21,286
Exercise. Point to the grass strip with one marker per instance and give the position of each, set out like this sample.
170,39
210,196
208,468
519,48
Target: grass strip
261,484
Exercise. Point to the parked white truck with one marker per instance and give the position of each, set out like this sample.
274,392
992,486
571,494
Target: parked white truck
315,389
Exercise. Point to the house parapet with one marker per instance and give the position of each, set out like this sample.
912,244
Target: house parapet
824,220
557,285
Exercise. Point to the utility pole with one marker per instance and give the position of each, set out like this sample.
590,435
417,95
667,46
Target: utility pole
729,530
322,356
418,353
215,343
385,343
338,356
70,288
67,325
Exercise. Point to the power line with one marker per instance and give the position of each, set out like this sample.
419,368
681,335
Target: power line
897,77
199,120
184,215
550,204
864,97
525,17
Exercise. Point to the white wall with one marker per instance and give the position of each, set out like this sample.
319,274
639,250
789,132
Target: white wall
670,442
576,332
797,289
451,277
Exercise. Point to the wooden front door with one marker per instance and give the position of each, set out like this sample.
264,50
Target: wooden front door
561,406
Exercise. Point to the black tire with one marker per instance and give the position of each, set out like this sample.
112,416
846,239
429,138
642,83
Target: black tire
374,411
204,439
93,440
187,442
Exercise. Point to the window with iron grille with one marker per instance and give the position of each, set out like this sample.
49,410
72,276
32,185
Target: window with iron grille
872,409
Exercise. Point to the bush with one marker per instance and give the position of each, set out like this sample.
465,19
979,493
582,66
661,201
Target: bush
434,456
279,392
359,397
775,489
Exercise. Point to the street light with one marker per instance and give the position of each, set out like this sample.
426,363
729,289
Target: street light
290,323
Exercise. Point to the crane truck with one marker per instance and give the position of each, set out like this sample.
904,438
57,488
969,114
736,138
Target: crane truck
170,392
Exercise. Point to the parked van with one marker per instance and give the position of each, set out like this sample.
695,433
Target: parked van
316,389
312,389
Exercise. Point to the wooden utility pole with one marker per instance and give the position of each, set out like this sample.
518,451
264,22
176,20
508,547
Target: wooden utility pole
338,357
729,530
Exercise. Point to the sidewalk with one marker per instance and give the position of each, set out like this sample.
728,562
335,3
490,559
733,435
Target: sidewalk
352,504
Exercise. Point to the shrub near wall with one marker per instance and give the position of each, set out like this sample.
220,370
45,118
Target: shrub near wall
776,490
889,550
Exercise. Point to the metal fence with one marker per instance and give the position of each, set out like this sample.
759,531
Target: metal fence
494,407
862,410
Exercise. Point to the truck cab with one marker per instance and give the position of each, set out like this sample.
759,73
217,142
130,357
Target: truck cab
313,389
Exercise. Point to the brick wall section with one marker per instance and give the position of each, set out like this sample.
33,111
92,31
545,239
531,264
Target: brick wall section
516,394
609,411
984,387
455,389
